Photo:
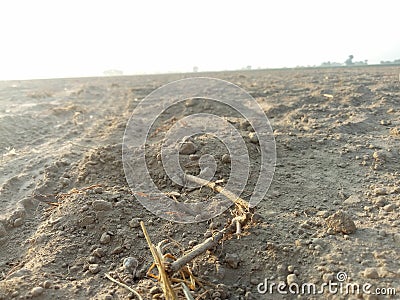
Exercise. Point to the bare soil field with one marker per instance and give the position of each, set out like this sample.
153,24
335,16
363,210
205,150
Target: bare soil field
331,216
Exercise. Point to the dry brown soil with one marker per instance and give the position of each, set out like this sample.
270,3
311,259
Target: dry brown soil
337,135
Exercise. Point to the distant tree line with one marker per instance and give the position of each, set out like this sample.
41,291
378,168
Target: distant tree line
388,62
349,62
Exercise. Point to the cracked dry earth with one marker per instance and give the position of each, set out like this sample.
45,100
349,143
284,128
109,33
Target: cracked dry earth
333,205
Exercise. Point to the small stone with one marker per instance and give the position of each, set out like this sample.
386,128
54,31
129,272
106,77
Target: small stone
318,248
353,199
102,205
371,273
380,191
130,264
98,252
341,222
134,223
253,137
98,190
14,294
140,273
190,102
389,207
108,297
226,158
318,241
94,268
47,284
86,220
232,260
187,148
290,269
18,222
291,278
74,269
105,238
18,213
37,291
194,157
117,250
65,181
379,201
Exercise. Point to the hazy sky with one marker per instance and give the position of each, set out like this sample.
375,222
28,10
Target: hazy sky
58,38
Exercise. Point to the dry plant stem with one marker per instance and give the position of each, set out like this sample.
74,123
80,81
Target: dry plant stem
124,286
209,243
243,215
159,261
186,292
238,229
241,204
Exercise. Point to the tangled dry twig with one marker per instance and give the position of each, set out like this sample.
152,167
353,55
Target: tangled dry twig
158,257
242,216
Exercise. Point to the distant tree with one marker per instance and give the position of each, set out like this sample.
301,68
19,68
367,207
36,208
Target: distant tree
388,62
349,61
248,68
195,69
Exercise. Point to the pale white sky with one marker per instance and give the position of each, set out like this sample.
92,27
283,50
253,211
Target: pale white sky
70,38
